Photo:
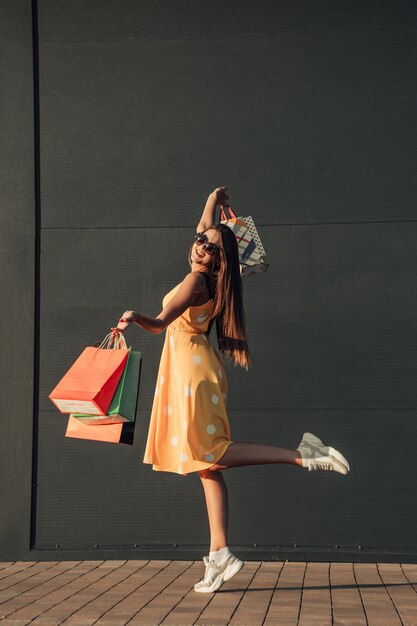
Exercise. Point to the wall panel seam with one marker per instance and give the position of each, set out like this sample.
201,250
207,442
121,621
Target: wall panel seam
241,35
258,223
36,320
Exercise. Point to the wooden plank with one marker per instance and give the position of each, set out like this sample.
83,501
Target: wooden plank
18,566
4,564
160,606
161,592
379,608
81,591
403,595
97,607
410,572
32,604
31,596
8,581
285,603
34,582
316,604
346,599
224,602
257,597
156,576
191,606
116,571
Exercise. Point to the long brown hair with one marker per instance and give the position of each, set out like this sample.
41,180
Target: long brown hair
227,308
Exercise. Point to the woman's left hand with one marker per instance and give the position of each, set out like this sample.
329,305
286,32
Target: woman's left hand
221,196
128,318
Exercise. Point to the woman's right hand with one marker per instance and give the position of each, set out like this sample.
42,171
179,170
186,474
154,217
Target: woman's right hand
126,320
221,196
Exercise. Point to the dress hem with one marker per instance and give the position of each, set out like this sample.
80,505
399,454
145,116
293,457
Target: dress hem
204,464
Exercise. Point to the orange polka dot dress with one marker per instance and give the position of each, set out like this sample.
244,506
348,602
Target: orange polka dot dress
189,428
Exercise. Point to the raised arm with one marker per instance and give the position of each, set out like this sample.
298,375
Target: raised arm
217,197
190,289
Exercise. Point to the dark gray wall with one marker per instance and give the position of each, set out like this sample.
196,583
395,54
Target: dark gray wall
17,274
306,111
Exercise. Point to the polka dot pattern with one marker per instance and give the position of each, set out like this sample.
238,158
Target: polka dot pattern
189,426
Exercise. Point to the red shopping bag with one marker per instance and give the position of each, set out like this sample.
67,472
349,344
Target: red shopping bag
109,433
90,383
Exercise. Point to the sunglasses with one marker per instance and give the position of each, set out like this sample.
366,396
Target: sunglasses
201,240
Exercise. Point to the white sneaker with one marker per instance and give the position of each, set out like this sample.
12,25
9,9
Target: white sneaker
217,574
315,455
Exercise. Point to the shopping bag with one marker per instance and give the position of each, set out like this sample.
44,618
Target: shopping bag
90,383
251,250
240,231
260,250
258,268
109,433
123,405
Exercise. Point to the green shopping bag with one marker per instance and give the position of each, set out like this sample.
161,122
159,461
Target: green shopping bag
123,405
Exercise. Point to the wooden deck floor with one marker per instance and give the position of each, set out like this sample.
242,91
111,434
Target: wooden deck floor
271,593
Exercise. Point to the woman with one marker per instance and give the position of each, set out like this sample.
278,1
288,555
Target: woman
189,429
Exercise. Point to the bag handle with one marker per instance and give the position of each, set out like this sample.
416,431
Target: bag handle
223,214
114,341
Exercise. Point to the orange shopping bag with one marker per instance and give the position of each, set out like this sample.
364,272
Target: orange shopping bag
90,383
110,433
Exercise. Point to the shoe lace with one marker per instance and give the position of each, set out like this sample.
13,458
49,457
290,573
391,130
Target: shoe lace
315,465
210,566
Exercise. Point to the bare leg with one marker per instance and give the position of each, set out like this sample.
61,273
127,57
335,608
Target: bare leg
244,453
215,492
